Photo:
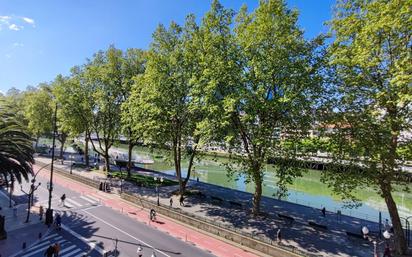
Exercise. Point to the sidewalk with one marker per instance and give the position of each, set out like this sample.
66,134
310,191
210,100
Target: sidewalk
331,242
19,232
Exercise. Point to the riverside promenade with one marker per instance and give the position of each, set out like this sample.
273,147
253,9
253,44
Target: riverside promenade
302,227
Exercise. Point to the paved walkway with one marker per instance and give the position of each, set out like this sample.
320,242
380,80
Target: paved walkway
331,242
19,232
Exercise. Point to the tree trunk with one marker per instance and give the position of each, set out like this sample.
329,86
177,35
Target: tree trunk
86,150
62,139
257,179
177,169
191,160
28,208
129,163
107,160
37,142
399,240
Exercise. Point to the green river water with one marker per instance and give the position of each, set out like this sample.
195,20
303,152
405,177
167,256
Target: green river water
306,190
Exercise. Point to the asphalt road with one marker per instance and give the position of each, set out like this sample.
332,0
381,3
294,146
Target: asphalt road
98,226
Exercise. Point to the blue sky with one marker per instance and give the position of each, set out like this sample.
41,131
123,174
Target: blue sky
42,38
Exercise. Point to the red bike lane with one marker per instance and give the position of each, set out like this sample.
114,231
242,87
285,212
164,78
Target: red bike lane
189,235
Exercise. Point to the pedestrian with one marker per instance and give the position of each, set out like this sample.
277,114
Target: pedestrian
152,215
139,251
181,200
41,212
62,199
279,236
387,252
58,221
324,212
49,251
171,201
56,249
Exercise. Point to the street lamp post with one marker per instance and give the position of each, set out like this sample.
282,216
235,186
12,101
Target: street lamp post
71,163
49,211
157,188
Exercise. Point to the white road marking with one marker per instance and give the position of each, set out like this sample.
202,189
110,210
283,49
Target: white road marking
39,245
88,199
94,198
92,245
67,249
92,207
74,202
42,248
124,232
66,204
53,235
71,253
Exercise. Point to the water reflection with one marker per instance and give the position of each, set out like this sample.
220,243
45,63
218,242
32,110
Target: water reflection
307,190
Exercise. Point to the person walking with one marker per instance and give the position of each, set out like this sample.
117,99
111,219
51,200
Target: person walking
324,212
56,248
279,236
58,221
49,251
181,200
62,199
41,212
139,251
171,201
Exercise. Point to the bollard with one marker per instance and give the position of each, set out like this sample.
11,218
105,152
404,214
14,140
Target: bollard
24,245
40,235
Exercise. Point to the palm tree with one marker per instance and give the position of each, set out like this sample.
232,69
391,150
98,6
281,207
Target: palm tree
16,147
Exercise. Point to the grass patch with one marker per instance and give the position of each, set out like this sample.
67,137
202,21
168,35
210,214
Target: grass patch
141,180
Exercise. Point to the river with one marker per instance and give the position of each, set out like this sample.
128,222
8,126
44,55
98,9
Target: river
306,190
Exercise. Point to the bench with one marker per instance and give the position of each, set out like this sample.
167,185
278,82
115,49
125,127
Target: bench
286,217
316,225
235,204
356,235
216,199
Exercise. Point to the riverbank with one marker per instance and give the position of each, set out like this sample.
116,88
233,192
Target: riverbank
302,227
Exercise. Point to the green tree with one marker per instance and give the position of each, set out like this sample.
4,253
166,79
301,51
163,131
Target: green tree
264,78
372,57
162,98
16,146
133,65
39,111
75,110
104,78
16,100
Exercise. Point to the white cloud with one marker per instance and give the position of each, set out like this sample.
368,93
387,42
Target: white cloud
4,18
16,44
15,27
28,20
14,22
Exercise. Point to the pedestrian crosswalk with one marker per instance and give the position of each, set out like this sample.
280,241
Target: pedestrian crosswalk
68,249
81,201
